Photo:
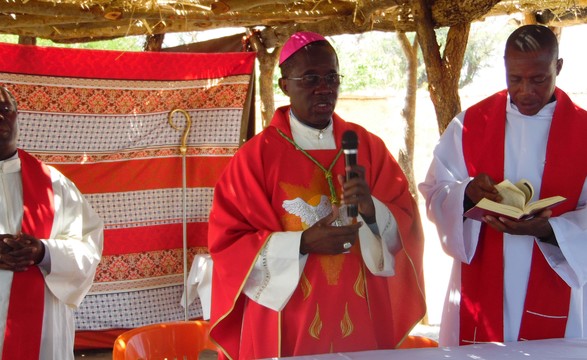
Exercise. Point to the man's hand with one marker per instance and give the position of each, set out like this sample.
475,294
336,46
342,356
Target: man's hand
21,251
4,248
324,238
538,226
356,191
482,186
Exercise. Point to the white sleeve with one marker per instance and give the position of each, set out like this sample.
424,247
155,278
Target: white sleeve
75,245
276,273
444,191
378,249
570,229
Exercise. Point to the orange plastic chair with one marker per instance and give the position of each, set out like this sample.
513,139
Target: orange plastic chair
413,341
172,340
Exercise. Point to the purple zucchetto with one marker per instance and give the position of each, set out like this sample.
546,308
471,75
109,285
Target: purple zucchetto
296,42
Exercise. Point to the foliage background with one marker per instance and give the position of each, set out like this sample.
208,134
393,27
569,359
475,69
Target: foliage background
375,62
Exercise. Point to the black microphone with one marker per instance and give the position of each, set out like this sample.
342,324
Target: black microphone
350,142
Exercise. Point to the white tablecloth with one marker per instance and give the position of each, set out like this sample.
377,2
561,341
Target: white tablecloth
551,349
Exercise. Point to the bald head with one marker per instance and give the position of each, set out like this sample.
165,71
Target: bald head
532,39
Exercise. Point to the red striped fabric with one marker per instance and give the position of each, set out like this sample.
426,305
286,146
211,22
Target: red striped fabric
102,118
82,63
122,175
163,237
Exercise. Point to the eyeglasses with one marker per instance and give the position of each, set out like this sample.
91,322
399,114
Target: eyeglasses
312,80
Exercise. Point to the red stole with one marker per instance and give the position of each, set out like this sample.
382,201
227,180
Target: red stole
24,322
481,311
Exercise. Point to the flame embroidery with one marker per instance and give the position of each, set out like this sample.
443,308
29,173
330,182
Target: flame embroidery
305,286
316,325
360,284
346,324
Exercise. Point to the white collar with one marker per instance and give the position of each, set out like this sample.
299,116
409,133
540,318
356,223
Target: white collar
547,110
309,138
10,165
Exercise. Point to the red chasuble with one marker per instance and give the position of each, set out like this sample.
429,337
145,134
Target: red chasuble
338,305
24,323
481,310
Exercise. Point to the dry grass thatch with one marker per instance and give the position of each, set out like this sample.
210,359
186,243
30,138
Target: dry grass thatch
70,21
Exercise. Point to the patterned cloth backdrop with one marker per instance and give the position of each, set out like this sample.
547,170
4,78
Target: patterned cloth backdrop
101,118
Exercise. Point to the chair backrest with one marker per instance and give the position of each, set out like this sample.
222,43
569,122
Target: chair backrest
171,340
415,341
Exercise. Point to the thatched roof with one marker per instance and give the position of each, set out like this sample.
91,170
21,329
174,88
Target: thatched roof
88,20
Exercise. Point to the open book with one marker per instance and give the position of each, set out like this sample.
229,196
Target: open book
515,203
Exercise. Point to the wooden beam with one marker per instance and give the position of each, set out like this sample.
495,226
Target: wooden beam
91,20
154,42
224,6
447,13
27,40
8,21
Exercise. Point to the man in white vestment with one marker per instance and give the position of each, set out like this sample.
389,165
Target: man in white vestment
50,245
514,280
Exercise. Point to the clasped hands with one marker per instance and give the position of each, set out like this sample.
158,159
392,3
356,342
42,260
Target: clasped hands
325,238
483,186
18,252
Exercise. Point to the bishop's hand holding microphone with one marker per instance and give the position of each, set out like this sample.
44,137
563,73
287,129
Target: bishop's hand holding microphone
356,192
356,196
350,144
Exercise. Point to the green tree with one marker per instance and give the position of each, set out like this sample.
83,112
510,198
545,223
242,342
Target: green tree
369,61
485,43
374,61
130,43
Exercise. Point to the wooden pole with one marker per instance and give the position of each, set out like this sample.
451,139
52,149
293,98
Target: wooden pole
267,63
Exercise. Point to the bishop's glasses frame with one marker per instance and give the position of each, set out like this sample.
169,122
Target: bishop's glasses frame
313,80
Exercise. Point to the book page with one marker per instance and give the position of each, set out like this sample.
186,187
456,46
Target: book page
526,188
511,194
495,209
543,203
514,202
